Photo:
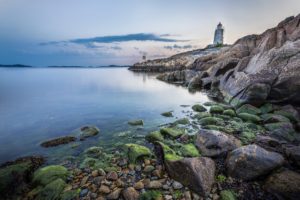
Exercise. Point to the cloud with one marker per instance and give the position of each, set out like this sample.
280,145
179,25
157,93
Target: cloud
175,46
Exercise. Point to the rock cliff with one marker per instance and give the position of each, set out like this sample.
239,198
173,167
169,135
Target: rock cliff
255,69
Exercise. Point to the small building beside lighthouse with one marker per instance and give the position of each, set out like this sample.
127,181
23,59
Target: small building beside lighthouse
219,35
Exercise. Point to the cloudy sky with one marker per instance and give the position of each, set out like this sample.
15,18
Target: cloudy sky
104,32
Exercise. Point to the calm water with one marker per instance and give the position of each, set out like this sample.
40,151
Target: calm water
42,103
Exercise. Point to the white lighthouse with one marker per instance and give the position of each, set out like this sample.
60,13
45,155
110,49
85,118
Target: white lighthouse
219,35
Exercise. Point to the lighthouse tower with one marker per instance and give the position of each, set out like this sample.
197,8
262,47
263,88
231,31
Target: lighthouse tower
219,32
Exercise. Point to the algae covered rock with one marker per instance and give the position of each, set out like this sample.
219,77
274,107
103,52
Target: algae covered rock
227,195
189,150
214,143
211,121
88,131
273,118
154,136
247,137
216,109
172,132
137,122
93,152
58,141
201,115
167,114
285,184
182,121
198,108
289,112
247,108
165,153
135,151
249,117
251,161
50,173
229,112
52,190
266,108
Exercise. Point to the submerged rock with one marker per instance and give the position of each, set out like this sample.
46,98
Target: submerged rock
213,143
199,173
216,109
93,152
88,131
53,190
154,136
137,122
182,121
50,173
285,184
198,108
167,114
58,141
251,161
172,132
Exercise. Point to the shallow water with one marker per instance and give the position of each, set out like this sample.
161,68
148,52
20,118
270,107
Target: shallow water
37,104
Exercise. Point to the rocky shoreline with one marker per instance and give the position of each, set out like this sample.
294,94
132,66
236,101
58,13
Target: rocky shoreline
245,147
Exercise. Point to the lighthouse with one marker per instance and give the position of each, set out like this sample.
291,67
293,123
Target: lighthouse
219,35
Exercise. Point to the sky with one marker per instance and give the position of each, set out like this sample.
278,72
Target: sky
111,32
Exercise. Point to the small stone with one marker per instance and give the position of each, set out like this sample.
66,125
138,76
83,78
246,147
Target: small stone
168,197
187,195
101,172
95,173
147,162
158,173
83,192
104,189
176,185
154,185
93,195
130,194
149,168
115,194
84,180
138,185
120,183
112,176
138,168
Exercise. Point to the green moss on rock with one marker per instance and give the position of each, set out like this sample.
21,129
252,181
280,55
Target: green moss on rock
210,121
247,108
247,137
266,108
70,195
93,152
167,114
249,117
227,195
201,115
189,150
169,154
172,132
88,131
135,151
154,136
151,195
52,191
229,112
198,108
183,121
50,173
216,109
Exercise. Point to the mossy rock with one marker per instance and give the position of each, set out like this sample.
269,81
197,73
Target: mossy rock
227,195
70,195
182,121
137,122
266,108
247,108
287,114
210,121
216,109
273,118
47,174
189,150
201,115
198,108
88,162
52,190
279,125
172,132
151,195
169,154
210,103
224,117
135,152
249,117
154,136
229,112
88,131
213,127
221,178
247,137
93,152
10,175
167,114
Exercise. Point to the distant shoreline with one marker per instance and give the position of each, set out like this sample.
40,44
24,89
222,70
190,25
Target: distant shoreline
28,66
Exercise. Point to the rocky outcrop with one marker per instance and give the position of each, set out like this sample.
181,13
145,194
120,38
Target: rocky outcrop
255,69
251,161
213,143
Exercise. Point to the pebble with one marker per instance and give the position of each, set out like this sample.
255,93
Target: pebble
138,185
83,192
115,194
84,180
149,168
168,197
112,176
176,185
101,172
104,189
138,168
130,194
95,173
154,185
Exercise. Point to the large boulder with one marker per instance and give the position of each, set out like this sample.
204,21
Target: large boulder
213,143
251,161
198,174
285,184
